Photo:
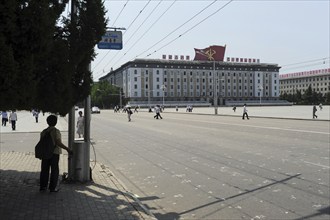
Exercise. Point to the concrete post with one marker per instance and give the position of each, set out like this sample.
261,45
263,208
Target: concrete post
71,131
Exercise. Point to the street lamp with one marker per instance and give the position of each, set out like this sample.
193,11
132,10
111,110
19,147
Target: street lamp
221,80
260,91
215,98
163,87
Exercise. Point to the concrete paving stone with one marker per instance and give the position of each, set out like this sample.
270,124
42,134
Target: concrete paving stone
19,188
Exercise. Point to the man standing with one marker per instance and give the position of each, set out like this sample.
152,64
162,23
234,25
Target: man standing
13,119
35,113
245,112
129,113
314,112
52,163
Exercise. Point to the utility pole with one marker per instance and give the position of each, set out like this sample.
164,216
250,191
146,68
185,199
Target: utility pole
215,98
78,165
71,121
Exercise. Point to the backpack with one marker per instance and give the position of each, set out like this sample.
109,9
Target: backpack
45,147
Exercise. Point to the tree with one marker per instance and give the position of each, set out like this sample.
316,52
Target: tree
308,96
45,57
327,98
298,97
105,95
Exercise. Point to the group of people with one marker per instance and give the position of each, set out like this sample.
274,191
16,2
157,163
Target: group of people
11,119
189,108
51,166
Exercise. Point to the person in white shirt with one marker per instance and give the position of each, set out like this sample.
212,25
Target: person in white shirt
245,112
13,119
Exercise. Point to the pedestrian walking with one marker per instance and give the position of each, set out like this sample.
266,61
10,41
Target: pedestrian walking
129,113
52,163
136,109
4,117
13,119
245,112
157,110
80,124
176,108
314,112
320,106
35,114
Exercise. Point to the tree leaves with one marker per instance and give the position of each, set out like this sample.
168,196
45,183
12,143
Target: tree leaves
44,57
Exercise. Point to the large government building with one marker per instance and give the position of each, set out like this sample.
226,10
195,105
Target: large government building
319,80
197,82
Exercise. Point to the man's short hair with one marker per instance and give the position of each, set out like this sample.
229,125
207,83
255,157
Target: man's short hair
52,120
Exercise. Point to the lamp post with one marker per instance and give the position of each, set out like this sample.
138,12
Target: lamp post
163,87
260,91
221,80
215,98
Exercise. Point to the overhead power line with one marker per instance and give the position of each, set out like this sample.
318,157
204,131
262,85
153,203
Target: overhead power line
140,38
177,28
180,27
308,61
309,65
125,32
113,24
191,28
153,10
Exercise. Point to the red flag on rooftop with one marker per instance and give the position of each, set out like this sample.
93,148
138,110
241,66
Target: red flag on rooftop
212,53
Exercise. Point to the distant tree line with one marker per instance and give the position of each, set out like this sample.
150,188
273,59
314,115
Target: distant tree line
309,97
44,56
105,96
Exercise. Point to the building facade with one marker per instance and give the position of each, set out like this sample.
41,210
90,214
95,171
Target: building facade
160,81
319,80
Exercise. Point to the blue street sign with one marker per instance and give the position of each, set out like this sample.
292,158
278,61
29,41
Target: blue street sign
111,40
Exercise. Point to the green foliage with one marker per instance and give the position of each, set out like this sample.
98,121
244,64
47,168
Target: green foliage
309,97
327,99
44,57
105,95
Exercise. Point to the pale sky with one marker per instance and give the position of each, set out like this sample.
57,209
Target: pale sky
292,34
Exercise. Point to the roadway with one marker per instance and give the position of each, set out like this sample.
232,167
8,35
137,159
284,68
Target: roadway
195,166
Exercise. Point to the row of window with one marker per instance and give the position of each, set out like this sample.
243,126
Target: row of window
210,73
201,94
309,79
203,87
304,85
314,89
202,80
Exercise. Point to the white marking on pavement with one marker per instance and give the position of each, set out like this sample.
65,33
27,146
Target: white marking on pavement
316,164
262,127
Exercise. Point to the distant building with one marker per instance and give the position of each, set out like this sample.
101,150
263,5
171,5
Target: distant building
319,80
147,81
204,80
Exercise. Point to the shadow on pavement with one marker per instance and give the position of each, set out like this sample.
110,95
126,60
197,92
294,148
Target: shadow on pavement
21,199
321,212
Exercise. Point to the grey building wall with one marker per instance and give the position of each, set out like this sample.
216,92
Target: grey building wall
196,80
293,82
